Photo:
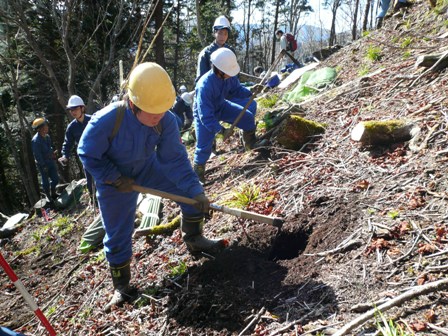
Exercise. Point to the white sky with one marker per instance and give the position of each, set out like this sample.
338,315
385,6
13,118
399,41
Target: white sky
320,16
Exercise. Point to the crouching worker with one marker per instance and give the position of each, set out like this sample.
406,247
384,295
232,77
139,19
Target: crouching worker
221,97
146,150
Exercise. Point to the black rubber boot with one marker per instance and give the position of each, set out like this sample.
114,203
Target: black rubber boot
121,275
379,22
249,140
200,172
195,241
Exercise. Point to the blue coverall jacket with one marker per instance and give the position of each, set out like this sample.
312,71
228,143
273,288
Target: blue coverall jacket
218,100
152,159
204,62
72,135
43,154
182,110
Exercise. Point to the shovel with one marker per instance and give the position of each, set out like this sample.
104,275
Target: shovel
274,221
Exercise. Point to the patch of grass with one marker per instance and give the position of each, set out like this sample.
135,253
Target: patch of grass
363,70
388,328
50,311
86,313
365,33
393,214
178,270
406,42
407,24
374,53
371,211
243,196
407,54
98,258
268,101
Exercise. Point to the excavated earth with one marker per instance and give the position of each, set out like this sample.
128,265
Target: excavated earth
360,224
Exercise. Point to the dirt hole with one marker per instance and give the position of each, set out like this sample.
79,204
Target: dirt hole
288,245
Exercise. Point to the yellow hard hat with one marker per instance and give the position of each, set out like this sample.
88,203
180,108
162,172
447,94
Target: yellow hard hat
150,88
39,122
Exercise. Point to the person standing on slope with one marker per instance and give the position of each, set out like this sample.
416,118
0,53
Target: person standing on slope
147,151
73,133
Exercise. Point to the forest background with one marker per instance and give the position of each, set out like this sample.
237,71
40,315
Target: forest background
50,50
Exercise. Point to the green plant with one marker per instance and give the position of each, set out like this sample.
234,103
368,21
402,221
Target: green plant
393,214
86,313
37,235
178,270
364,70
365,33
268,102
406,54
373,53
51,310
371,211
244,195
406,42
388,328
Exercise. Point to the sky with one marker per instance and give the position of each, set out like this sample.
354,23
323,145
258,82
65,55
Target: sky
319,17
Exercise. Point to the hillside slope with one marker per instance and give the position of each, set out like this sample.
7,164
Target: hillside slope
362,225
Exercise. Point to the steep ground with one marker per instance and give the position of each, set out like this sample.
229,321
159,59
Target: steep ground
361,224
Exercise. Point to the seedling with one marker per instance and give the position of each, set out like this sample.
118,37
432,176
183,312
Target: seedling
373,53
393,214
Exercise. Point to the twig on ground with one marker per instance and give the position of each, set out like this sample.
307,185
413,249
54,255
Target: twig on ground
412,293
253,321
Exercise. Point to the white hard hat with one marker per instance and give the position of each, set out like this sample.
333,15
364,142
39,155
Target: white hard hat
187,97
183,88
75,101
221,22
225,60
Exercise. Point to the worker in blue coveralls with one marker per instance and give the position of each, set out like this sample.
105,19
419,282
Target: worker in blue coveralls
73,133
45,158
182,109
147,151
216,93
221,31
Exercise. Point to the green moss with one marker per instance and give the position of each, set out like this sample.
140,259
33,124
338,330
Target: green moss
386,126
296,131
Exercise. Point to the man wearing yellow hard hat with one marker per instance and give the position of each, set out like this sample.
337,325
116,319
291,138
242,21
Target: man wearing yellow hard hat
147,151
44,156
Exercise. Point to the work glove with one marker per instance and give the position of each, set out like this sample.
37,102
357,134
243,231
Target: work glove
63,161
203,204
226,132
256,89
124,184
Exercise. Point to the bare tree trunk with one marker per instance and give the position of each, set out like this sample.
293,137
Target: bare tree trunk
366,15
247,37
355,21
199,24
159,46
176,47
334,9
277,6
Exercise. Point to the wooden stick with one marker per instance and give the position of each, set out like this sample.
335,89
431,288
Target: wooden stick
406,296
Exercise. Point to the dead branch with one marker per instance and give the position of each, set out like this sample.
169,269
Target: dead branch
399,300
443,331
253,321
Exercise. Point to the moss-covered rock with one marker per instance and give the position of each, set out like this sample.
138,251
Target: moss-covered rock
295,131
